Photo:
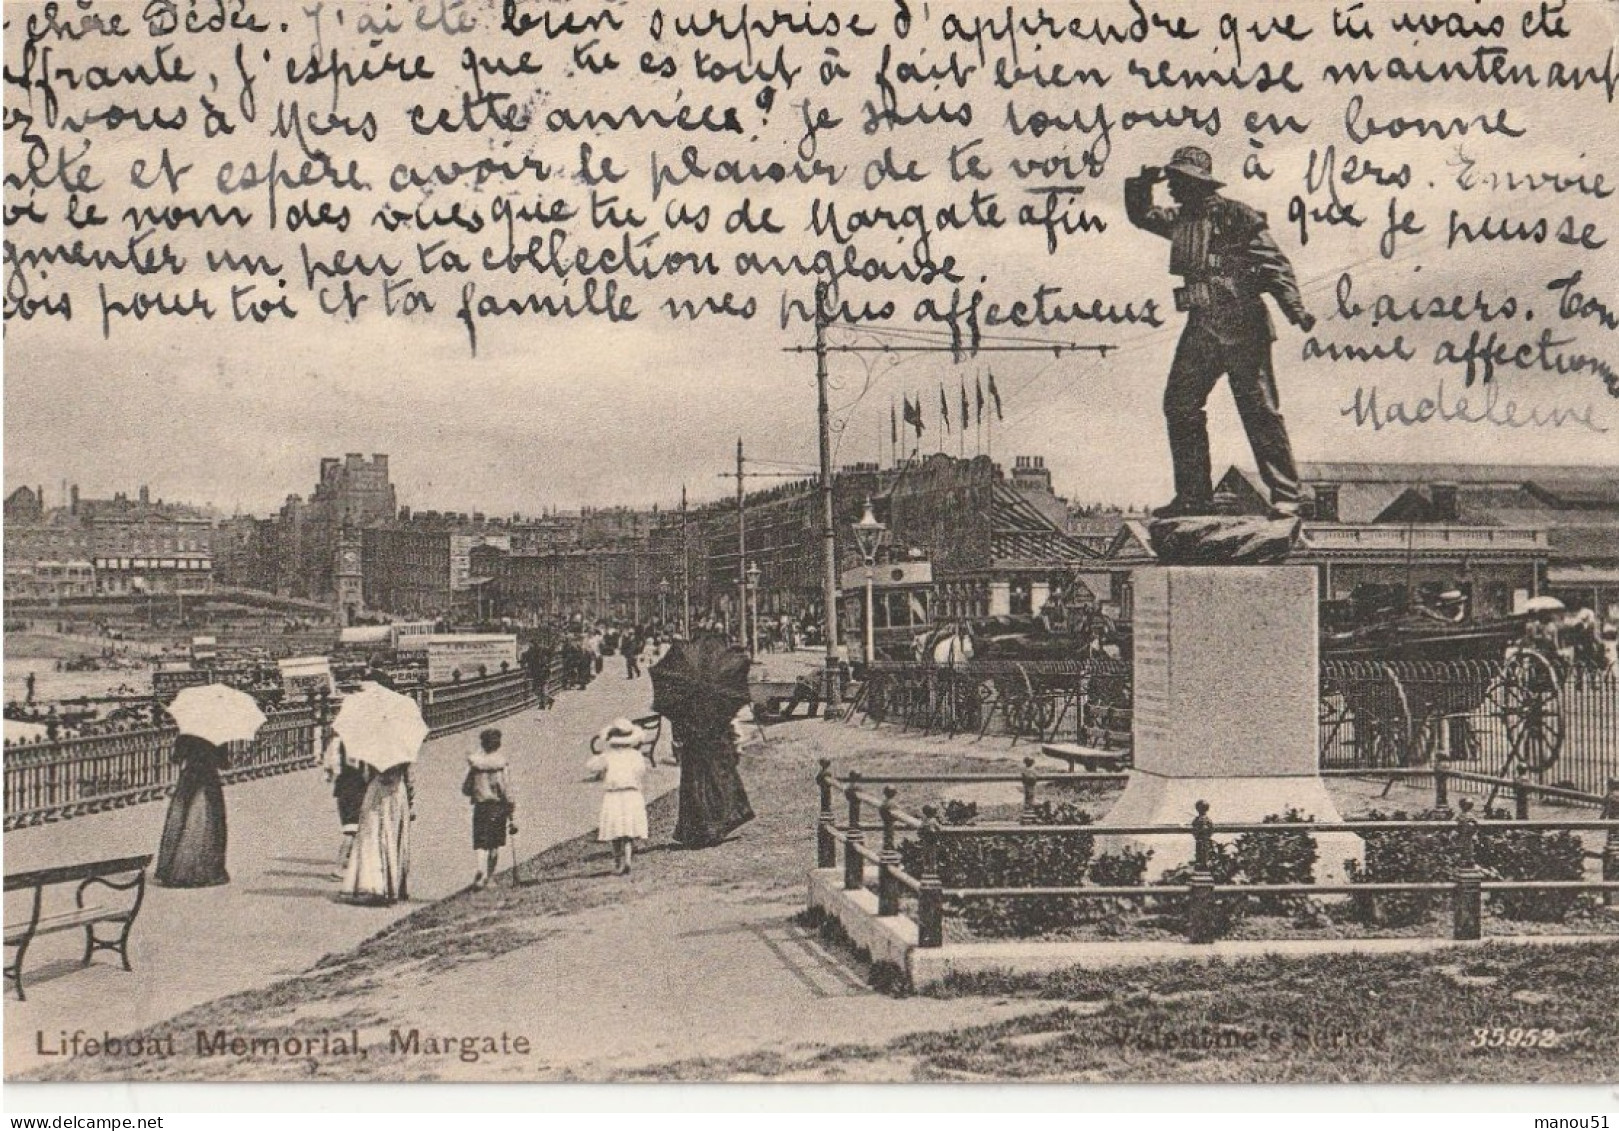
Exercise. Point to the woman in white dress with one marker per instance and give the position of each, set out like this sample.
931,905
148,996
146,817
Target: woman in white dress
617,758
378,870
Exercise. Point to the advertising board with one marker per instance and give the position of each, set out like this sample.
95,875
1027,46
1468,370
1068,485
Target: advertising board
470,655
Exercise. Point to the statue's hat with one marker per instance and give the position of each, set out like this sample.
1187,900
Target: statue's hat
1194,163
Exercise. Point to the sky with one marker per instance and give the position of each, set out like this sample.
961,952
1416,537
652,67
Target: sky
564,414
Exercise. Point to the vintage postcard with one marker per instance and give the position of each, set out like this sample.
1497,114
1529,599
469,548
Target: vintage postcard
871,541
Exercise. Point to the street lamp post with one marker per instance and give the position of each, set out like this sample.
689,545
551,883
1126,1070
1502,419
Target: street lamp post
663,603
752,611
868,534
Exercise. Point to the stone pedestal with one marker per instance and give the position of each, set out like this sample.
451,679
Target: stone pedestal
1226,686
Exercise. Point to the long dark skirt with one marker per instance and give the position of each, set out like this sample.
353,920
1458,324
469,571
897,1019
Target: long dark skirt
489,820
713,802
192,853
349,789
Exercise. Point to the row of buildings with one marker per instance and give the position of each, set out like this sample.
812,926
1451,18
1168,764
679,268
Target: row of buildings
117,547
999,541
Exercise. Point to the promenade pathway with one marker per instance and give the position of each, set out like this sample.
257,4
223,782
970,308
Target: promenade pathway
278,915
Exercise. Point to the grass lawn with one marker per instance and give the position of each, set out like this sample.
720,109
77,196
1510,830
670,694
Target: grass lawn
1501,1014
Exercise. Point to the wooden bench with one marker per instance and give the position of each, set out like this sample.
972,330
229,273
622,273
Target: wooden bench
1094,761
777,699
121,875
652,726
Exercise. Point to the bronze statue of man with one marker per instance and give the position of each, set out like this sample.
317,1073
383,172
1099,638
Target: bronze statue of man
1225,254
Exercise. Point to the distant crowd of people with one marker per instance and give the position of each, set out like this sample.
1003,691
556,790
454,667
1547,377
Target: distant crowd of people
1586,645
586,649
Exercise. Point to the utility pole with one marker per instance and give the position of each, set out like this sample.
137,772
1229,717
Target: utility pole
741,545
957,349
832,693
741,475
685,570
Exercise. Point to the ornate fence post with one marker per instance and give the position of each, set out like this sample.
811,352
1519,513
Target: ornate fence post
1610,851
826,845
854,865
1200,927
1468,902
887,885
1027,816
930,897
1441,789
1520,795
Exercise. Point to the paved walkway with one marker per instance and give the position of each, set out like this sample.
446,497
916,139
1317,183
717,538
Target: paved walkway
278,916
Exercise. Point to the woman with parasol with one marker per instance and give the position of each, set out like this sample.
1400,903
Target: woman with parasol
192,851
699,686
382,730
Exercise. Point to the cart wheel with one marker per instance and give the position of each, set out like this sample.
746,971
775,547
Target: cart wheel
877,693
1041,715
1529,703
968,702
1382,712
1027,704
1332,713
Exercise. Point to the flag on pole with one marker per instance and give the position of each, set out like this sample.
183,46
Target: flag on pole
979,383
913,414
944,407
995,395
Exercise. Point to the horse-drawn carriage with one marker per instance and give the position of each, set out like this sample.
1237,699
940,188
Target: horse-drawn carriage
1031,675
1417,690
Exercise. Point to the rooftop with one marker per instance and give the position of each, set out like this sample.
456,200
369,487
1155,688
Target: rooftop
1479,474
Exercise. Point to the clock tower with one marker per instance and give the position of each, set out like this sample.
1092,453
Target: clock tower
348,576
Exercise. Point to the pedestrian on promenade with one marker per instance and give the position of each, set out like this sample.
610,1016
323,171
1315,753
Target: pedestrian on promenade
632,653
492,806
378,870
623,812
192,851
349,781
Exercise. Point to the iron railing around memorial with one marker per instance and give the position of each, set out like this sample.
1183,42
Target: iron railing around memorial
1525,715
923,895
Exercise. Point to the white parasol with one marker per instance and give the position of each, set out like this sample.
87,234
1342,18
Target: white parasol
1544,605
216,713
379,727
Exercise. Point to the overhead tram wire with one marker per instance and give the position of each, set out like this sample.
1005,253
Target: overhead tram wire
925,341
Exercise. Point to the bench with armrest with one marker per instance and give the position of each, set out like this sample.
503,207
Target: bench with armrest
100,899
1093,760
777,699
651,728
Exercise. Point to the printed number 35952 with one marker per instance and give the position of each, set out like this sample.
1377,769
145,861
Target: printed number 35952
1514,1038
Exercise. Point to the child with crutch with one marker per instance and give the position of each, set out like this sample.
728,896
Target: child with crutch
493,810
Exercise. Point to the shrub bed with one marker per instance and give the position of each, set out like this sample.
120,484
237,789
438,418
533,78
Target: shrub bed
1435,857
1287,855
